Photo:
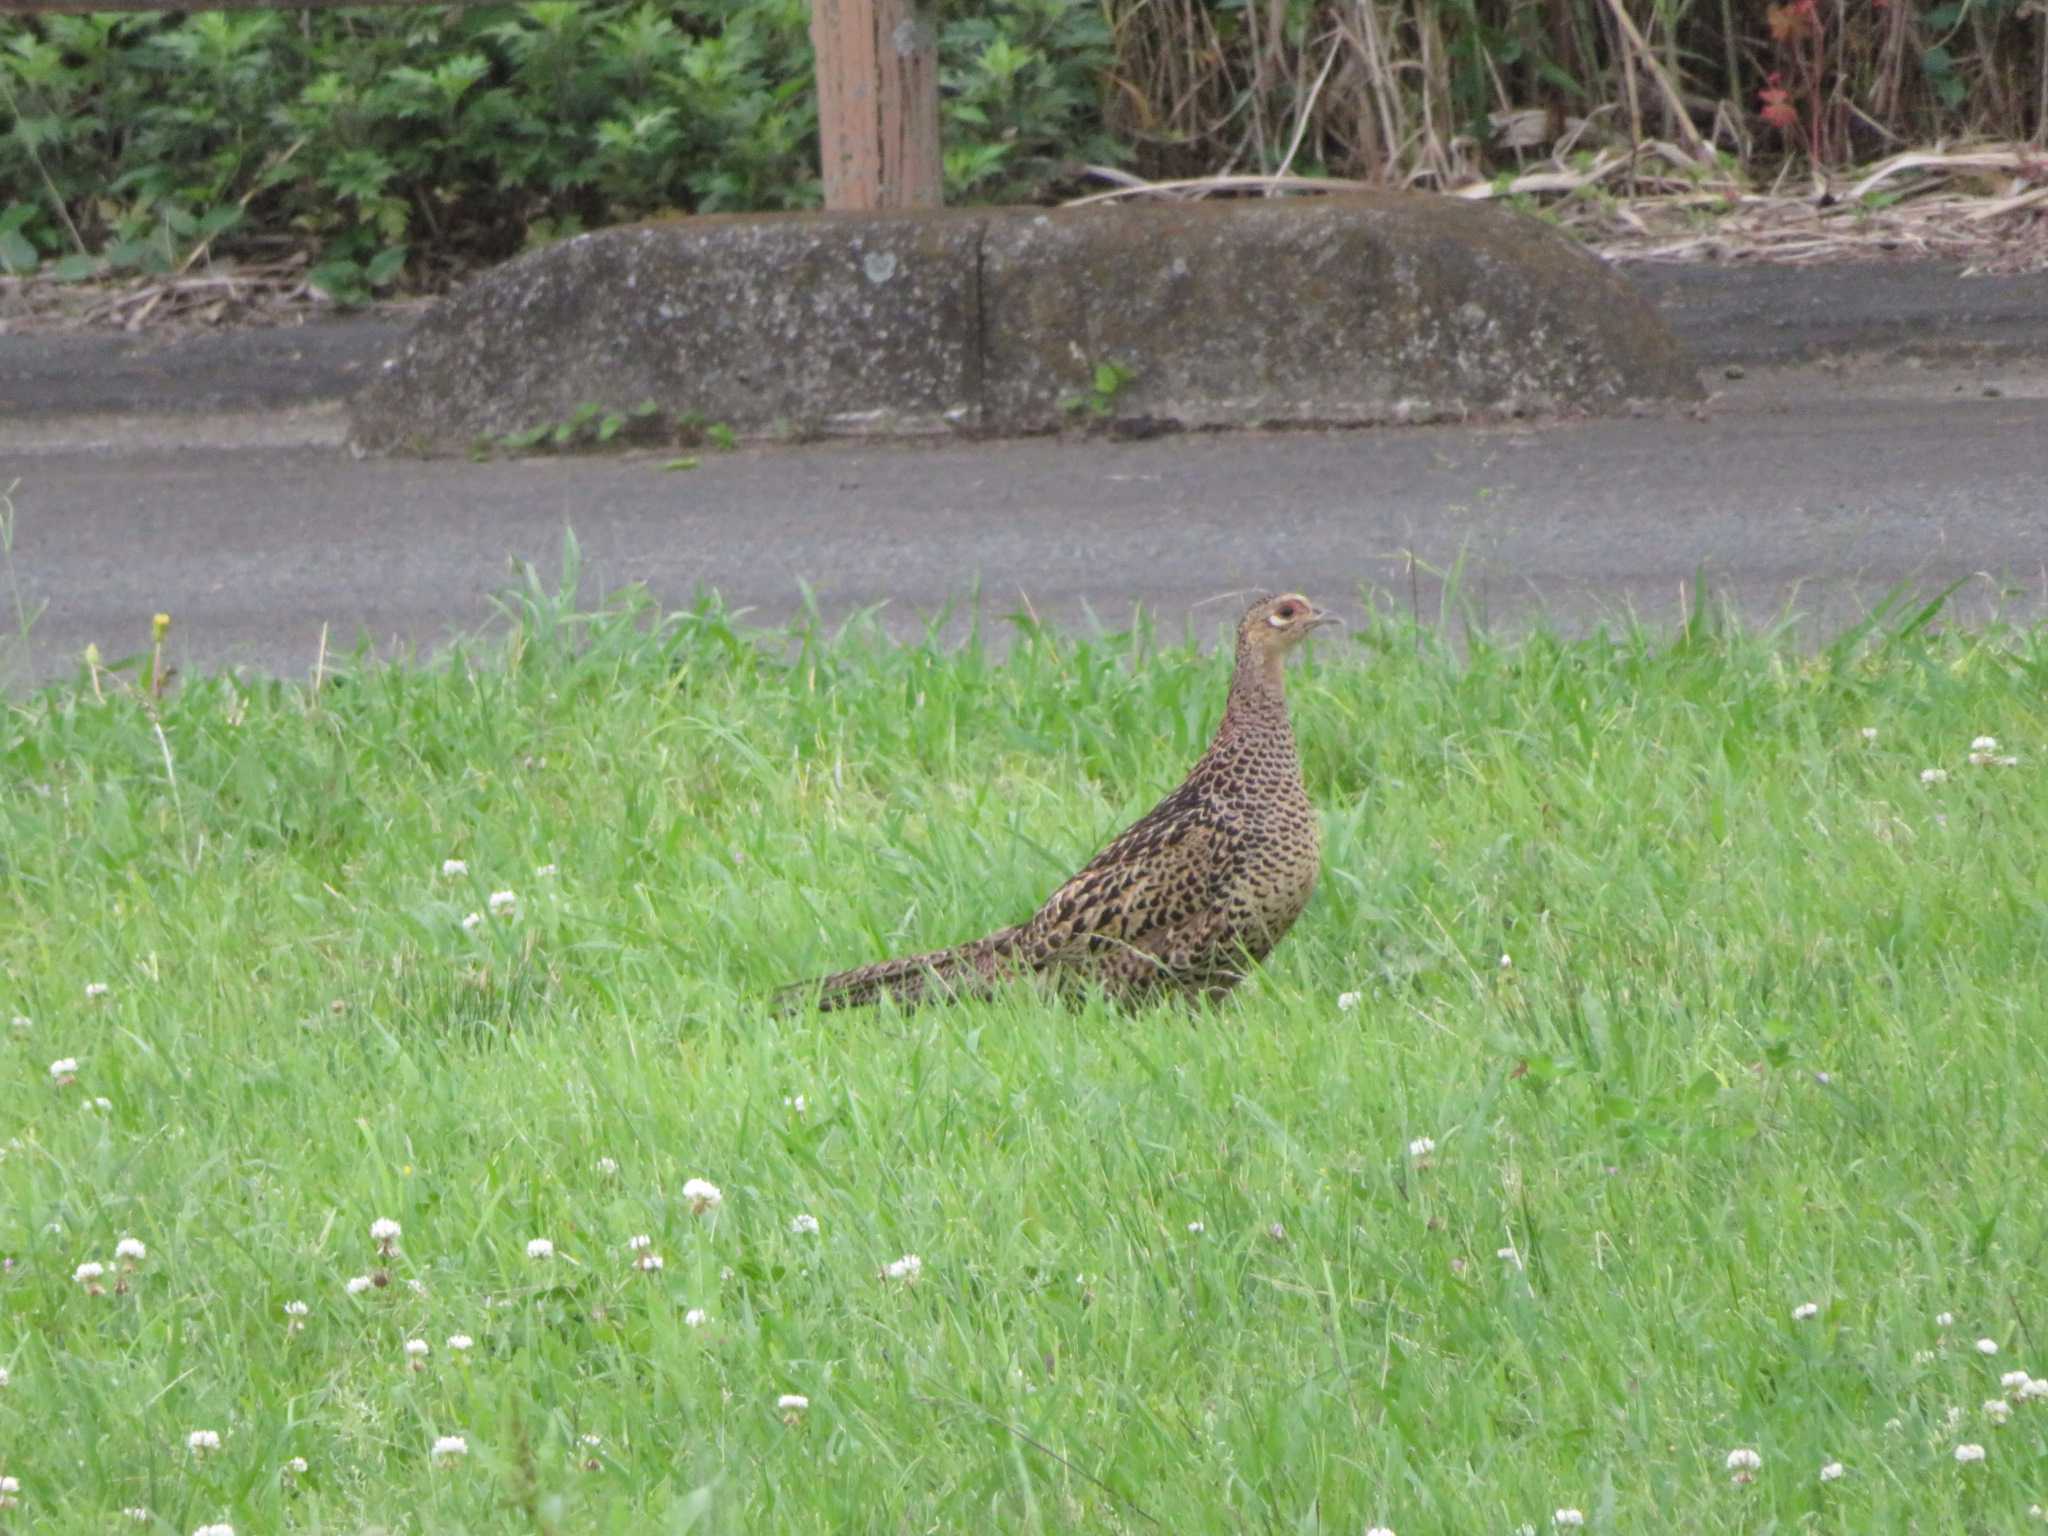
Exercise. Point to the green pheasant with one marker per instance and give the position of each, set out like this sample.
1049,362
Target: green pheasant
1196,891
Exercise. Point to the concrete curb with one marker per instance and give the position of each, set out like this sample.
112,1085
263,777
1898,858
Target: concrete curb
1340,311
287,383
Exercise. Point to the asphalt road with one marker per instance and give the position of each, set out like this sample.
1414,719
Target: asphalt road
1808,490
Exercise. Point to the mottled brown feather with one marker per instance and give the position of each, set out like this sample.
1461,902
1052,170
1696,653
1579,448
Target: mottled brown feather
1185,899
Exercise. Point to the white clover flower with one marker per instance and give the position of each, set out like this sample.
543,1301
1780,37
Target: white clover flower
138,1514
200,1441
593,1441
804,1224
503,903
2014,1381
1379,1530
1197,1228
1967,1453
1944,1319
454,867
448,1446
638,1241
2035,1388
1997,1409
1805,1311
64,1067
355,1285
130,1248
546,872
1568,1517
296,1309
1987,1346
472,922
792,1402
10,1484
696,1317
459,1342
384,1230
416,1349
649,1261
1933,775
88,1272
608,1166
1743,1462
703,1195
1507,962
417,1286
540,1248
1984,744
220,1528
97,989
103,1104
1421,1147
3,1378
1923,1357
906,1269
1831,1470
1346,1001
1869,734
794,1102
296,1466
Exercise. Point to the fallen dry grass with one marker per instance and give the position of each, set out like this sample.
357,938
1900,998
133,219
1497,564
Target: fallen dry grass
1984,207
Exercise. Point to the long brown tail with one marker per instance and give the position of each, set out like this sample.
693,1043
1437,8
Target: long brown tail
940,976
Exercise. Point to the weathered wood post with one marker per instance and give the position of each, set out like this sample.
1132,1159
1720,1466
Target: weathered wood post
878,102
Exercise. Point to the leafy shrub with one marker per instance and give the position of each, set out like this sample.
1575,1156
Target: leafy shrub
410,140
406,143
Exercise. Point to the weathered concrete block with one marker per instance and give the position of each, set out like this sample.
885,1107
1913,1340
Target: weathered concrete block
817,322
1387,307
1377,307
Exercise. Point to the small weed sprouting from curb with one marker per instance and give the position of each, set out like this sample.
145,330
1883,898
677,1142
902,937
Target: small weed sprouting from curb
1107,381
591,427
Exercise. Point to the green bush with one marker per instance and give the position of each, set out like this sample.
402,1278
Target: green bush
399,142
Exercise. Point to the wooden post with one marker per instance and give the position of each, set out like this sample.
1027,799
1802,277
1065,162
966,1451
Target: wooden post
878,102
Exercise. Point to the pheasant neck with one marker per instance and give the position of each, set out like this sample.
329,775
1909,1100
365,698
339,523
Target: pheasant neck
1258,693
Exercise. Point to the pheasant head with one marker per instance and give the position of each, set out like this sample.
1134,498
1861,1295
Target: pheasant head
1269,630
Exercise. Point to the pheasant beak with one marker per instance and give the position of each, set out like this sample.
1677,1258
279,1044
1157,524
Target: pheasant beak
1322,618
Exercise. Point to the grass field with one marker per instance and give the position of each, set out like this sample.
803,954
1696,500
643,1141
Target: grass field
1711,1008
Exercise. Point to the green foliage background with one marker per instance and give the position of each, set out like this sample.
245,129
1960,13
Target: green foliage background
438,136
411,142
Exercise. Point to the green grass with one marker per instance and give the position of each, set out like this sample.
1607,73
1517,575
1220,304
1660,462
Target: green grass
1772,1034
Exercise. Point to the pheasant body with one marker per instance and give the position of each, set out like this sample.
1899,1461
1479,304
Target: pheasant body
1188,897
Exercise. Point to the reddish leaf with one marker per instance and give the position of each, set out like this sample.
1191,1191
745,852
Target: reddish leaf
1792,23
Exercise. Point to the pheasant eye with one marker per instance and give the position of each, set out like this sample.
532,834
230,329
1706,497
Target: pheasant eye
1286,610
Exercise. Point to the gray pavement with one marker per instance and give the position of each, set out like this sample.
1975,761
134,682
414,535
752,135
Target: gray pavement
1804,487
1807,490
